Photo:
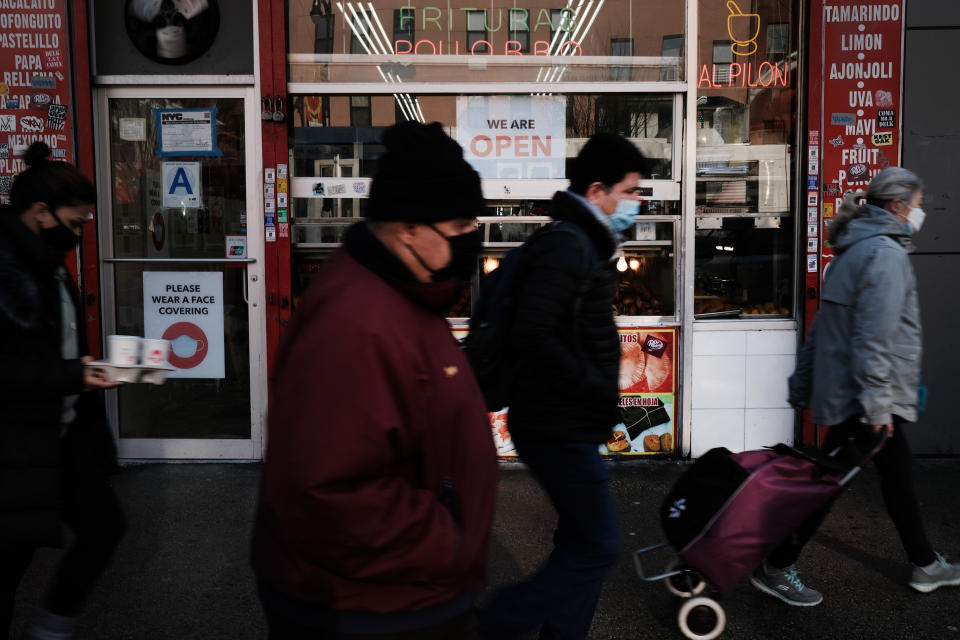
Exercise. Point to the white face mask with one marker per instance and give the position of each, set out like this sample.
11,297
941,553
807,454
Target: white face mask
915,219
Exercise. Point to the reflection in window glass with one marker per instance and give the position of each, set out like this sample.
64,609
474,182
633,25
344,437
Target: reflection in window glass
722,57
437,41
323,42
746,223
777,39
520,28
404,28
359,111
339,136
620,47
477,31
672,46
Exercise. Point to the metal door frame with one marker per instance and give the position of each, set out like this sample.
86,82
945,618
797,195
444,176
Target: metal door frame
189,448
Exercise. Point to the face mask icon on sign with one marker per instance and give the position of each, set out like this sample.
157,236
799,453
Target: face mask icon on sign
188,345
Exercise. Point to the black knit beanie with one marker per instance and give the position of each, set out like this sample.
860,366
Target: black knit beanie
423,177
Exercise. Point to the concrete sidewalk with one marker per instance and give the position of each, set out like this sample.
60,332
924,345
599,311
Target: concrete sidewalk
182,571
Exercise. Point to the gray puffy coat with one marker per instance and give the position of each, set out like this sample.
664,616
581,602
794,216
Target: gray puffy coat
863,353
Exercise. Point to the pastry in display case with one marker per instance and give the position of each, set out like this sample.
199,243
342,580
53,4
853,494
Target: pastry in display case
742,272
645,285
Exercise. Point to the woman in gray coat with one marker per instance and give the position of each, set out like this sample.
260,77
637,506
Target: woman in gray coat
859,370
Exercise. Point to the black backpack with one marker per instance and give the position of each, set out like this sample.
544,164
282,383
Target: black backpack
487,345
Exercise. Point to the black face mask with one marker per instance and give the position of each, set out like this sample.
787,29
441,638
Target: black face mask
465,248
60,237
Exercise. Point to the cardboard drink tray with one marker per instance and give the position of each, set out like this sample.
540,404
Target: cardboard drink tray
144,373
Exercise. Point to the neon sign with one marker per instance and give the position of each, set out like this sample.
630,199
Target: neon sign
767,74
563,30
510,48
743,29
519,19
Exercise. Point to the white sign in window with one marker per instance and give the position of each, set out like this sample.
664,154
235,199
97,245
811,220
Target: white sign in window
186,308
181,185
514,137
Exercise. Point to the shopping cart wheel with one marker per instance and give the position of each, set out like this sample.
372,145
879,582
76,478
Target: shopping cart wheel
701,619
686,584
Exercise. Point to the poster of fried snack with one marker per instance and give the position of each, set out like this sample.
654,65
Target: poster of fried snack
647,396
647,393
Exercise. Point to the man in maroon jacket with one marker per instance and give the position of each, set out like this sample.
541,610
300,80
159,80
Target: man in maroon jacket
380,475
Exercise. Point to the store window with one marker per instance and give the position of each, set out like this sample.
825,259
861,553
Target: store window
778,38
333,165
621,47
440,43
404,27
746,219
520,29
722,59
360,111
477,32
356,44
672,47
323,41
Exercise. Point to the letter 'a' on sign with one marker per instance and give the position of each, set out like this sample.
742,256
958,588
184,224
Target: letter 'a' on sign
181,185
180,181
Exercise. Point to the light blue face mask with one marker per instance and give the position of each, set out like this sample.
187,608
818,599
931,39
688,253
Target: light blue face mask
625,215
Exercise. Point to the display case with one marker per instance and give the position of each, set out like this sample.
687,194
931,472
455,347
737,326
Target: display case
332,165
745,238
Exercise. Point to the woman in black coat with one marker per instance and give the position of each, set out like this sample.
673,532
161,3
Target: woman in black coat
56,449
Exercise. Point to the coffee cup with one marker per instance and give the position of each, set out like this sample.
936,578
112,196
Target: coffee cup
123,350
155,352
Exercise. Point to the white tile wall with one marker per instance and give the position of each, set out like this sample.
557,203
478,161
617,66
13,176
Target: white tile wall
766,427
716,428
719,343
771,342
740,389
719,382
766,381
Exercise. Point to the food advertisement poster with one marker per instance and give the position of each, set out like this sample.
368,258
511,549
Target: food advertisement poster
860,81
514,137
35,86
648,392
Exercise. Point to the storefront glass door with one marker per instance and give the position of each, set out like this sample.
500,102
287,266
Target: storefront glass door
180,261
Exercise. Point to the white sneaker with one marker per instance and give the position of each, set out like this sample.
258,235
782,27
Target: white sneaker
786,585
940,574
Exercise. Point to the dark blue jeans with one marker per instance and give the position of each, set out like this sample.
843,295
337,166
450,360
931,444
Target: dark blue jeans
560,598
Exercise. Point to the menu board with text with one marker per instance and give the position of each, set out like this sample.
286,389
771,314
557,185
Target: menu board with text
34,83
861,80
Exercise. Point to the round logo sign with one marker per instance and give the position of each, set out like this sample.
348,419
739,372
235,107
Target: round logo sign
172,31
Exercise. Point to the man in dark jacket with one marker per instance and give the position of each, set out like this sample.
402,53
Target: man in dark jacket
56,449
565,401
380,476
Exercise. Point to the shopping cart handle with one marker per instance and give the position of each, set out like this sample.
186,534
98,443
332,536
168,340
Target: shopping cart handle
638,564
882,440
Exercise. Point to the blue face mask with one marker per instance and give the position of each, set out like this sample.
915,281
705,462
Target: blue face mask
625,215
